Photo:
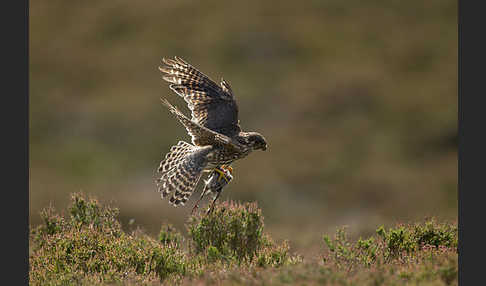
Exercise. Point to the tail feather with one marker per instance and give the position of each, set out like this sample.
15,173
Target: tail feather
181,170
175,154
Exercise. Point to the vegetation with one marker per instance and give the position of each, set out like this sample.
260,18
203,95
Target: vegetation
87,246
420,253
357,100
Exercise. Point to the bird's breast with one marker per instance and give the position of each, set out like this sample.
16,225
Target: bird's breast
224,156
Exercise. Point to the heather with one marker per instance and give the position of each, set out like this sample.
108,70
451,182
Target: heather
86,245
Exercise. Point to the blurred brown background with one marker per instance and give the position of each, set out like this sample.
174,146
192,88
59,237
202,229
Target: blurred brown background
357,99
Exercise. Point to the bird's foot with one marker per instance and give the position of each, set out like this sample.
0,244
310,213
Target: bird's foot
229,168
211,207
222,173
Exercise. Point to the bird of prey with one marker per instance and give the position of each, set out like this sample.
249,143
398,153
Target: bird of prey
217,139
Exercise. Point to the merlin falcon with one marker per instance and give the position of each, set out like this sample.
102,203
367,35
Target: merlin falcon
217,139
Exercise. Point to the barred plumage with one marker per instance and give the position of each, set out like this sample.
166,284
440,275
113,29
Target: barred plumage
212,106
216,135
181,170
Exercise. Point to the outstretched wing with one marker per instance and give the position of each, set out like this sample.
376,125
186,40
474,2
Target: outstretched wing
201,135
213,106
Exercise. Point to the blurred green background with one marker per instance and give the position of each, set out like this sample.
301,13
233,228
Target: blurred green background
357,99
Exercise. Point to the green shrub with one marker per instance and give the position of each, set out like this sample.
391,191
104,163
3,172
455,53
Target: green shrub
169,235
89,247
416,254
433,233
391,243
233,232
411,238
345,253
397,240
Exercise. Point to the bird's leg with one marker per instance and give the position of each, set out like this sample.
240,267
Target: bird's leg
205,190
200,198
224,172
212,204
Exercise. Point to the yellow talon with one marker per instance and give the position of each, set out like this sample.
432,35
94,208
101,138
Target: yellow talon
222,174
230,169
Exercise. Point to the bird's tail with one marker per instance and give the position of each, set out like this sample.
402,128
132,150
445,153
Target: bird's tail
181,170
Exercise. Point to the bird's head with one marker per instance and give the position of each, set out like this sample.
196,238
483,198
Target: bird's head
256,141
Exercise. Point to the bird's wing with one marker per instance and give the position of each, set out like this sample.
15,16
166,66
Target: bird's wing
201,135
213,106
